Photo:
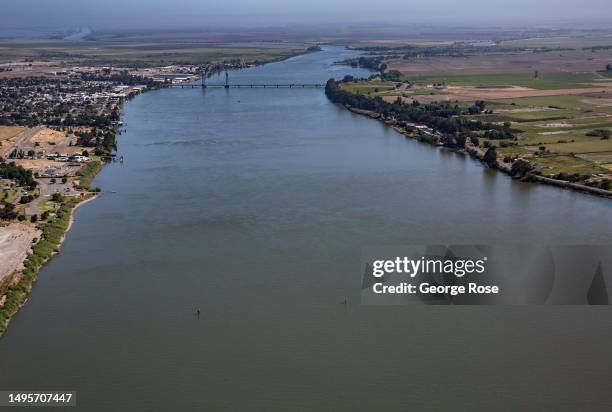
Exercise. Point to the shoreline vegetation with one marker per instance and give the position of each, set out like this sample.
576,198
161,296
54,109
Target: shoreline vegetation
15,289
53,234
443,125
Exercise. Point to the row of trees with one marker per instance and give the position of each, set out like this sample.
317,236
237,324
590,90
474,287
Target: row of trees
103,140
444,117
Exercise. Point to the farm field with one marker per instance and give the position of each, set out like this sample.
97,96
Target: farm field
137,49
579,61
558,130
560,41
555,132
545,81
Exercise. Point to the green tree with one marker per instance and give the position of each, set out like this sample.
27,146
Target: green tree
8,212
490,157
382,68
521,168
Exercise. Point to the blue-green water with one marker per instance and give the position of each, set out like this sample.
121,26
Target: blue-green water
253,205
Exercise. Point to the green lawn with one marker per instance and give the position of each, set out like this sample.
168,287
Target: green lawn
369,87
555,164
586,146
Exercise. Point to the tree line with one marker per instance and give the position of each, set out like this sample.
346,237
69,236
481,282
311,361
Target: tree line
444,117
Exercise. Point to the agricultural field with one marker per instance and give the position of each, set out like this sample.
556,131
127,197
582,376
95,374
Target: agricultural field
563,128
137,49
524,62
544,81
561,134
574,42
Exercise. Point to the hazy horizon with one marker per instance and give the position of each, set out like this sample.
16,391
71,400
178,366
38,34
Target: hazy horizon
216,13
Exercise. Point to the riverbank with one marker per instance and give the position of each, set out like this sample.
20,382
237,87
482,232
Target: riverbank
15,242
53,232
450,126
478,153
260,215
52,235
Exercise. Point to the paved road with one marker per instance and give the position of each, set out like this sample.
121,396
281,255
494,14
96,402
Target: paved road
46,191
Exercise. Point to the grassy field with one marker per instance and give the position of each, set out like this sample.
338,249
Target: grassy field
87,174
371,88
554,164
585,146
568,147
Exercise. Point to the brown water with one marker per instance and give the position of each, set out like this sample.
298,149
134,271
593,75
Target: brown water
253,205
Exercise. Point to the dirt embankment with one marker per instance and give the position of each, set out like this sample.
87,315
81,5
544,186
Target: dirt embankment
15,243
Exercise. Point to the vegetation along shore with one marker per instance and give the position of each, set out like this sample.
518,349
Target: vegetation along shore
486,129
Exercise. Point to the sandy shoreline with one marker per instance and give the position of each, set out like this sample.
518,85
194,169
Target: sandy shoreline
71,221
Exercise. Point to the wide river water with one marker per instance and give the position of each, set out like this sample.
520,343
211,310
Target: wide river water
253,205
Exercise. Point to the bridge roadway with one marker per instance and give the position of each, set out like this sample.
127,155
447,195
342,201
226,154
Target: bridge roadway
252,86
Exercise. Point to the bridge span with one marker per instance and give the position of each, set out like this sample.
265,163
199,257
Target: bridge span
251,86
229,85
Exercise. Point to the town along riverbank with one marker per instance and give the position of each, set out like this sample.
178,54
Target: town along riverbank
34,244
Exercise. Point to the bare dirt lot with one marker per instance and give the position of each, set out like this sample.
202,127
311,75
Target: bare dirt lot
48,168
15,242
48,136
8,137
27,69
51,141
7,132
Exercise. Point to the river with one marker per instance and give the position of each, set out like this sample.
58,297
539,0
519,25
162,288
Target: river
253,206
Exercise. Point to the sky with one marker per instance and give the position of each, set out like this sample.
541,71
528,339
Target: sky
194,13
